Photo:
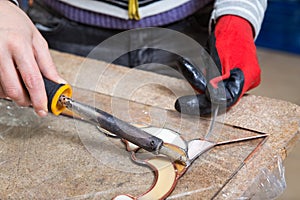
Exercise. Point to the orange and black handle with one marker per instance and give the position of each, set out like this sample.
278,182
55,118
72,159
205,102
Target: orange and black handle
54,91
124,130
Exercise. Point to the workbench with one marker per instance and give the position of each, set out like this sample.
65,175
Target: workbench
58,157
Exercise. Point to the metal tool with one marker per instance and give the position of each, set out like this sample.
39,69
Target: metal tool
59,99
213,121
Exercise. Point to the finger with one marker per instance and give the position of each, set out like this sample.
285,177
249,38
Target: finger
32,79
2,94
192,74
194,105
44,60
11,85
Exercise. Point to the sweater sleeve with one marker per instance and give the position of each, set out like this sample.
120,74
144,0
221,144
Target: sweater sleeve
251,10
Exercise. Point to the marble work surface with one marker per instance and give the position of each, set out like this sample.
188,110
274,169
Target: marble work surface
62,158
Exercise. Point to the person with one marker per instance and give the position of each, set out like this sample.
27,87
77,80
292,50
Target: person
25,58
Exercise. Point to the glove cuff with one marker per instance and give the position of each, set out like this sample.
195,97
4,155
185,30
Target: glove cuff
236,49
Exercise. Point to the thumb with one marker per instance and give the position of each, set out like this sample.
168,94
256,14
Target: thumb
44,59
234,86
193,105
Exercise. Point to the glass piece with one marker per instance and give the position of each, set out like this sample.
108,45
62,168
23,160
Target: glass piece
197,147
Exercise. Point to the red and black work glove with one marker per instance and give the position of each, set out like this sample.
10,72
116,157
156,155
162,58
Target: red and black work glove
231,46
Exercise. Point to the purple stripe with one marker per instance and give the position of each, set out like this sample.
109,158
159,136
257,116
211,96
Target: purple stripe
105,21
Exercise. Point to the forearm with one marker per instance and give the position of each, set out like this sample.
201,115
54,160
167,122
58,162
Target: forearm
251,10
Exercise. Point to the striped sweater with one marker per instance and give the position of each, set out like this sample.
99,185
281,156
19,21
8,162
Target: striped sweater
128,14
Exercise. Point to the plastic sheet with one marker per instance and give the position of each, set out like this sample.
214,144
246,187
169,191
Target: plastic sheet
266,183
269,183
38,155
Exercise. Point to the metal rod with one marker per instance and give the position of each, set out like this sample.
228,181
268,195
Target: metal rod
241,139
114,125
121,128
212,122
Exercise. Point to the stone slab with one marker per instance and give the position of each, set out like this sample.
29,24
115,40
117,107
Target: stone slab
63,158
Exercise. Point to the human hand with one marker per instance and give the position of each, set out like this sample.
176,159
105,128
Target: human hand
24,59
232,47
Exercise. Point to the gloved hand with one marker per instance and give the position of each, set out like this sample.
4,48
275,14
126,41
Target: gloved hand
24,57
231,46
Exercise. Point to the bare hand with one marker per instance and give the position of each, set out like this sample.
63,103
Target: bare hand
24,58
